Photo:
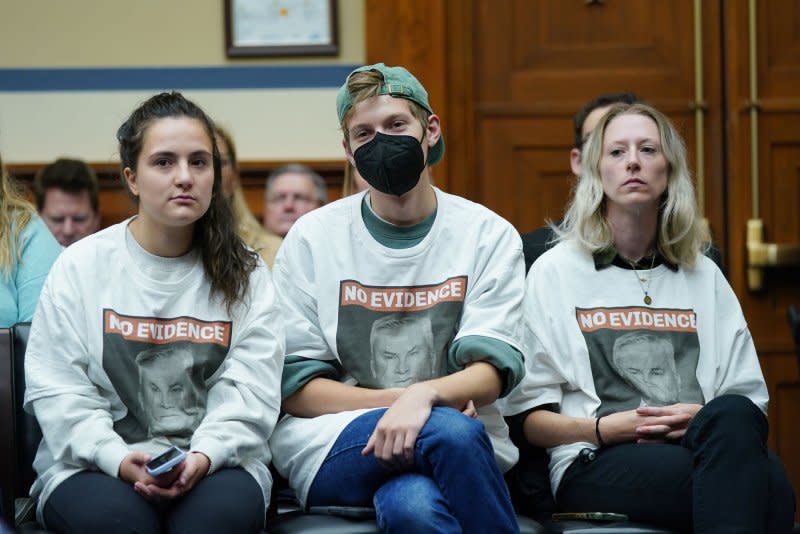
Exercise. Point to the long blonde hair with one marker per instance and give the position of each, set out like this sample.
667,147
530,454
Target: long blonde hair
15,214
681,233
247,226
249,229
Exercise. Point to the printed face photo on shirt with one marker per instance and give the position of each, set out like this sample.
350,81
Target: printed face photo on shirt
168,393
402,350
647,362
159,368
389,336
641,356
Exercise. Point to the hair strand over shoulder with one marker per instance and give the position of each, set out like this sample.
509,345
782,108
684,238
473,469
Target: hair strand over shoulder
226,259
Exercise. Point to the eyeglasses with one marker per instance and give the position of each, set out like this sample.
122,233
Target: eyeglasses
291,198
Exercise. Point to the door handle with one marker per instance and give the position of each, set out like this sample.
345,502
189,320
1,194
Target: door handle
761,255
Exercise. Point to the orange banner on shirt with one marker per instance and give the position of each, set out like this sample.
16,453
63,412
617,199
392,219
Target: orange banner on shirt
636,318
398,299
163,331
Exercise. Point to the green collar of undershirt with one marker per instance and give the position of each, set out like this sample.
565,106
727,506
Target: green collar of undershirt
390,235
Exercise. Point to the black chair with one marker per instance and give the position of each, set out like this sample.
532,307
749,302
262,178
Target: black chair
354,521
290,519
616,527
333,522
20,432
287,517
20,436
7,449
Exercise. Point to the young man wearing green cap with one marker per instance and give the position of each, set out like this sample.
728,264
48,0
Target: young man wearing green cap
424,444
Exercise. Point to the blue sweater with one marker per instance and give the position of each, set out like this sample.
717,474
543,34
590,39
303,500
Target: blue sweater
19,289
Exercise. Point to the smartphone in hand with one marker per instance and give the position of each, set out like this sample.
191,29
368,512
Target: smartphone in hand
164,462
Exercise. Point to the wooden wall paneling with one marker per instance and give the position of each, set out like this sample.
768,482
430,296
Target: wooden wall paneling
784,431
784,180
253,177
116,205
460,102
523,164
413,34
778,196
517,71
738,154
493,50
778,149
714,122
777,367
779,109
559,48
779,49
538,63
779,193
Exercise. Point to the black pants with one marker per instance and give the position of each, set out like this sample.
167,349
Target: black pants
89,502
720,478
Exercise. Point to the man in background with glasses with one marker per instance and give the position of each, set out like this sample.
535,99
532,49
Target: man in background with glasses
292,190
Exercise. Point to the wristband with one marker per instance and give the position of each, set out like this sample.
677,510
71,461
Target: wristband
600,441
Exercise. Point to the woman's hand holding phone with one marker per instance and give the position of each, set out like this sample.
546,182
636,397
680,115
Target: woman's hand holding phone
165,462
133,469
181,479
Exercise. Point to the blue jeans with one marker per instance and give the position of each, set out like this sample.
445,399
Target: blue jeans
455,484
720,478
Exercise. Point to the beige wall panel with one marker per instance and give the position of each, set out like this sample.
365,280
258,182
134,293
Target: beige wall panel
119,33
290,124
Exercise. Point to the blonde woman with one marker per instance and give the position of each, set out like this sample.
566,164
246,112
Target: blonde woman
353,181
27,250
630,260
249,229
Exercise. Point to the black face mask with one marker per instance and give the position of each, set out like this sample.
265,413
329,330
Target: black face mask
391,163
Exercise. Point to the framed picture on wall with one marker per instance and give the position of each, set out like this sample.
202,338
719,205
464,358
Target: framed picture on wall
280,28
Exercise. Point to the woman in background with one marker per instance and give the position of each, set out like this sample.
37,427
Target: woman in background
249,229
27,251
353,181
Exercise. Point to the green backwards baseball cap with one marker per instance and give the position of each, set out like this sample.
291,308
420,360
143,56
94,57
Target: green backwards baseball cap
399,83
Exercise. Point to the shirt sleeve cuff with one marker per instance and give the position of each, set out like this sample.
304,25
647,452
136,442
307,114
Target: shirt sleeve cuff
214,450
110,456
299,371
506,359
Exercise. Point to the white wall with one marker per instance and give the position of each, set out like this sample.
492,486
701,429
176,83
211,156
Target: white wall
268,122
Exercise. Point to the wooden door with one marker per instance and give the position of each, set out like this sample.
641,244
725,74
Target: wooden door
775,199
537,63
508,75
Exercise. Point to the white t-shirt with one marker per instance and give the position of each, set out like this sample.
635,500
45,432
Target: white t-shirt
594,346
337,284
127,348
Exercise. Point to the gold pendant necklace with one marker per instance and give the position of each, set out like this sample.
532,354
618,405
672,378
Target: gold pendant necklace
645,290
